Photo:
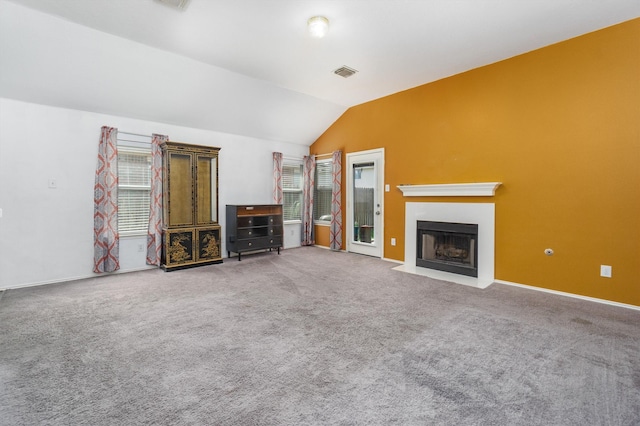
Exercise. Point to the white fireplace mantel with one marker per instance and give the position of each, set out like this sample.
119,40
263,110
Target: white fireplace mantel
479,189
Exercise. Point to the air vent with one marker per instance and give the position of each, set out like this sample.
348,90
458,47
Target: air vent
345,71
176,4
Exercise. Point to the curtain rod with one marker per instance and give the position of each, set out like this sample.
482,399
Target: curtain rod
323,155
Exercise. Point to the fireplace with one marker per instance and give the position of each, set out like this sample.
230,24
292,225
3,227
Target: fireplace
449,247
482,214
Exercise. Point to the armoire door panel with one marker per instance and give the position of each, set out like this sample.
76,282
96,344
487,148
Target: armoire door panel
180,191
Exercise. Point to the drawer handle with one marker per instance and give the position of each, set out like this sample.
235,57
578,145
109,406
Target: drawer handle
272,231
249,232
250,244
250,222
271,220
271,241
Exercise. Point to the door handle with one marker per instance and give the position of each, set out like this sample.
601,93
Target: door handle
378,213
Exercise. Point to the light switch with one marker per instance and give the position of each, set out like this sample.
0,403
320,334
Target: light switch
387,188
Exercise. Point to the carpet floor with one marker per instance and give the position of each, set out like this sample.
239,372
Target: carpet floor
311,337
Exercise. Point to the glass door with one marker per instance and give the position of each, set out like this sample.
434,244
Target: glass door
364,202
179,202
206,189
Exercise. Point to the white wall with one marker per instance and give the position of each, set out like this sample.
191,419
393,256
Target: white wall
46,234
51,61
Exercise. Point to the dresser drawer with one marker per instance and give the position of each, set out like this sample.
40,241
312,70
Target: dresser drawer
258,243
245,233
275,231
275,220
246,222
250,221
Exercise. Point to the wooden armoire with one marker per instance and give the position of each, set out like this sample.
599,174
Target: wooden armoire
191,233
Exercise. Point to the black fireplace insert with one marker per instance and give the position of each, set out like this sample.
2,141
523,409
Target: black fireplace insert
450,247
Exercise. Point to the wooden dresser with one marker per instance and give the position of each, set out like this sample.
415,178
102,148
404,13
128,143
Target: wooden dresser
254,227
191,233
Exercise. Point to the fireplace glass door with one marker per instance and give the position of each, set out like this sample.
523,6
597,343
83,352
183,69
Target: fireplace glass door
450,247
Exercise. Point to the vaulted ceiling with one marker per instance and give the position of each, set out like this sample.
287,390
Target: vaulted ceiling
249,66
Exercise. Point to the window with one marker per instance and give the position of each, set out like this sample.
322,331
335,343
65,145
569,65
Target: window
322,194
292,191
134,189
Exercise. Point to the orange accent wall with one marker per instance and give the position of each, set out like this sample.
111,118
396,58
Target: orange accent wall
559,127
323,236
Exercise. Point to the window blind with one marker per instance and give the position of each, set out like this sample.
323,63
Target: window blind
134,187
322,196
292,191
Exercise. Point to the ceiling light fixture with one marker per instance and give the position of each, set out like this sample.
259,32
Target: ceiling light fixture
318,26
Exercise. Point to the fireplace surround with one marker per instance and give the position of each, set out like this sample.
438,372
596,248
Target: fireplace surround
482,214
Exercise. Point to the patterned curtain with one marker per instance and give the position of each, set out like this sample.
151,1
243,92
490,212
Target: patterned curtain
105,200
335,236
277,177
309,170
154,234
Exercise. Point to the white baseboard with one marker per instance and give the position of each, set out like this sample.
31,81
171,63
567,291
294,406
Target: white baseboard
575,296
80,277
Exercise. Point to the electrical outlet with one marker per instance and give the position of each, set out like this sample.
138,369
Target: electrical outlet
140,248
393,241
605,271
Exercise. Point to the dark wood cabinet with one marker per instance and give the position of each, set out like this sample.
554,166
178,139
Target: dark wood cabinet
191,234
254,227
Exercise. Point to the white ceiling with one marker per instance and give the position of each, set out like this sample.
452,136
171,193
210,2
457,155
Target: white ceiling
394,44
